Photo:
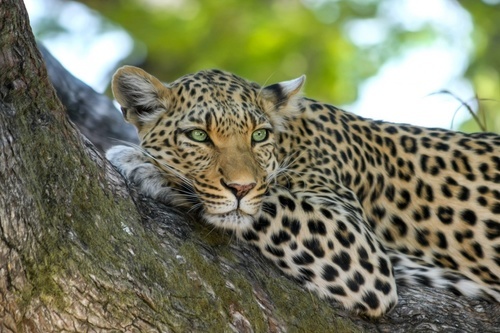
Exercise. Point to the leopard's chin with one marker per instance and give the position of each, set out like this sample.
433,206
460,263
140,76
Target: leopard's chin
232,220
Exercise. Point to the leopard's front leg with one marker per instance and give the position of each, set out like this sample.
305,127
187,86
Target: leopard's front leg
150,180
323,240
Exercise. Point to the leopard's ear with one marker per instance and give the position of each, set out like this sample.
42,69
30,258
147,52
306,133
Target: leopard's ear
142,97
283,99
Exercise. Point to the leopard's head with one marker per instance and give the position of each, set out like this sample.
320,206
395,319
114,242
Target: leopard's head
213,133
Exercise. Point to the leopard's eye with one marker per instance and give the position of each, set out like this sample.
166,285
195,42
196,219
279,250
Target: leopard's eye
259,135
198,135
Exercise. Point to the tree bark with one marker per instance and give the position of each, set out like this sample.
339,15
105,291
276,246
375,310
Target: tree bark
80,251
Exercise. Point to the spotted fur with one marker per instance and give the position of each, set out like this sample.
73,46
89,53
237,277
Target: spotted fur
343,204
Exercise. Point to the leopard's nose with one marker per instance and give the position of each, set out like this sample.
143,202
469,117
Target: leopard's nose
239,190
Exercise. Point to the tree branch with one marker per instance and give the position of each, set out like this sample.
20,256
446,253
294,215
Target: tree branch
94,114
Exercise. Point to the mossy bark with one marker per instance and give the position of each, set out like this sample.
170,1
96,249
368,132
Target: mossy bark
79,251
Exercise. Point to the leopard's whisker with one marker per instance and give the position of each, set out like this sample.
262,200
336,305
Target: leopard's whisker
284,167
172,170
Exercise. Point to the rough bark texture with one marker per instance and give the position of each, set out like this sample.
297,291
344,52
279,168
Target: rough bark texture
79,251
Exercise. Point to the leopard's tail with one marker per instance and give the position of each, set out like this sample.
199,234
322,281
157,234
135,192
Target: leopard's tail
411,270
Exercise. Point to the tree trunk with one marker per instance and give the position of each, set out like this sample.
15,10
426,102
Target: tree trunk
79,251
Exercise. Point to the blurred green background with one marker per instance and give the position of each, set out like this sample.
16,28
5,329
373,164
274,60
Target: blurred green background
399,60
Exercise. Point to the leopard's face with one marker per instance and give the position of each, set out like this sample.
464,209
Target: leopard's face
214,136
224,154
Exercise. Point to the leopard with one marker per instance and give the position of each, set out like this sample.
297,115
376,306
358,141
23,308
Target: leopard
350,208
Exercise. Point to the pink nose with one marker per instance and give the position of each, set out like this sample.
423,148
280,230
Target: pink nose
239,190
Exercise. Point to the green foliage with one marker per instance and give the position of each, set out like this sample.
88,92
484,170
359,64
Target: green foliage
267,41
484,69
274,40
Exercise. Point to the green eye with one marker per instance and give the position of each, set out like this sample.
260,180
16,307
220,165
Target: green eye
259,135
198,135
